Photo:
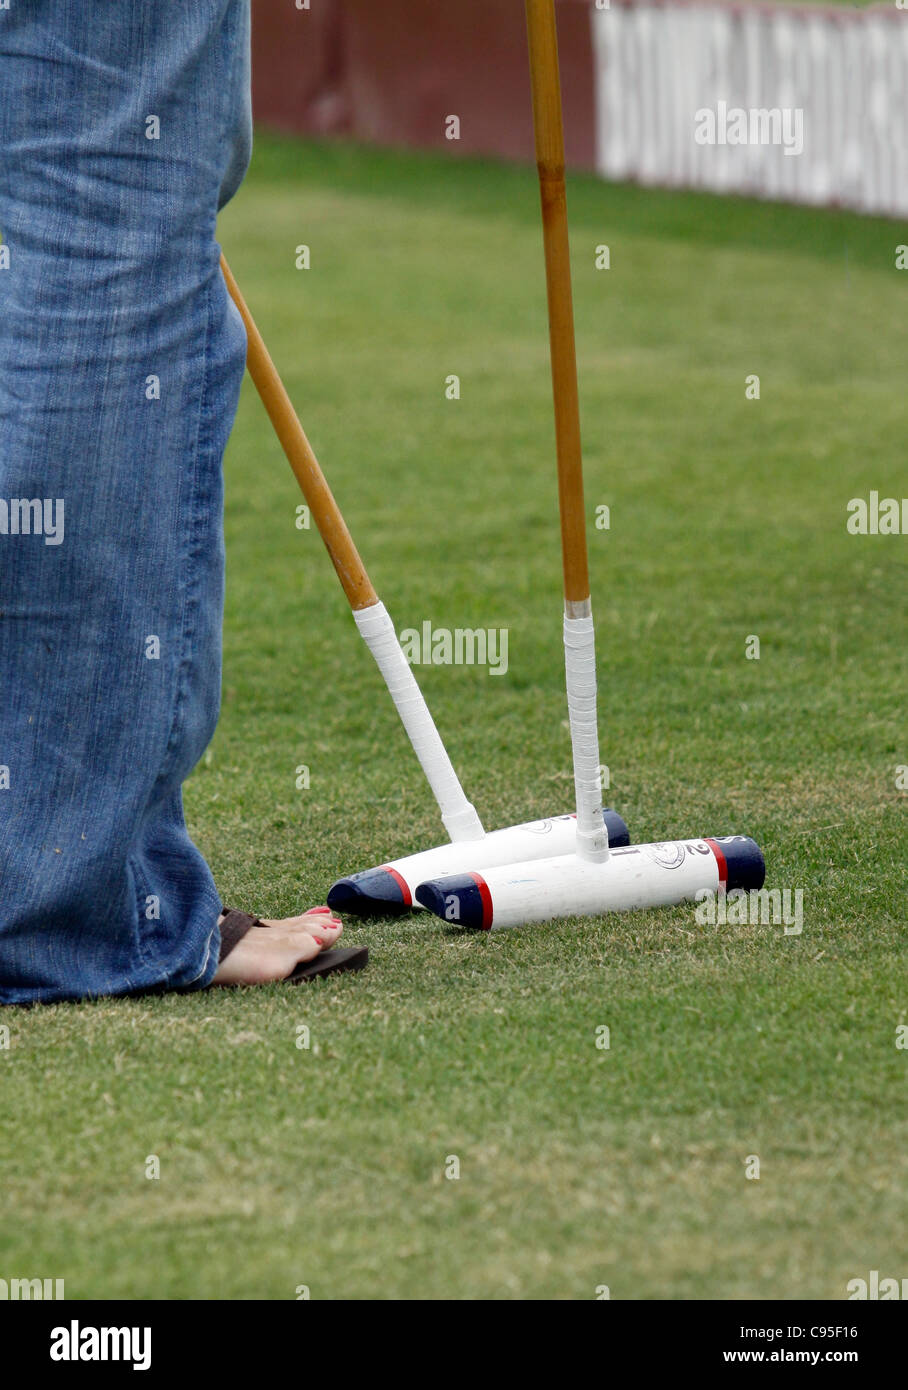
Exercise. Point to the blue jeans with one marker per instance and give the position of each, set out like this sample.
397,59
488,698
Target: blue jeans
123,128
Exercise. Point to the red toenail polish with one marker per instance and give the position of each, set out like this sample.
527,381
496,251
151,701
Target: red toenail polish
320,909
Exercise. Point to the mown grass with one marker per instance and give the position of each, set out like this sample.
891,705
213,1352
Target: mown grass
284,1166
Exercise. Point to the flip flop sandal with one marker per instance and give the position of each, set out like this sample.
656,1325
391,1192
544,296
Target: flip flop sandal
235,925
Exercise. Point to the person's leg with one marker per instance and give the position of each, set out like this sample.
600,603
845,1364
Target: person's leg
121,358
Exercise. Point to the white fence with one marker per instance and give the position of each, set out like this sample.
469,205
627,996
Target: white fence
714,96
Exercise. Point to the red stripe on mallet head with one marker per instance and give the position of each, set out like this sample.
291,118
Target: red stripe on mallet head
486,896
401,883
721,862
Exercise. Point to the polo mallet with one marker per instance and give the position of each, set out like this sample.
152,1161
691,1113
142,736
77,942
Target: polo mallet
597,877
390,887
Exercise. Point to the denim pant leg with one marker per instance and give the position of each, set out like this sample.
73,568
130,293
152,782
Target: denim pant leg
122,128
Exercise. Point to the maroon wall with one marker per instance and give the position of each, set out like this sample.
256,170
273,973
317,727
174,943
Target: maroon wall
298,66
391,71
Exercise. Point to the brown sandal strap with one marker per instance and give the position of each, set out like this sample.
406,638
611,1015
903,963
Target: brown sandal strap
234,926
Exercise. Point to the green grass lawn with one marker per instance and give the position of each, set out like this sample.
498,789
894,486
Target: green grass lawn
284,1166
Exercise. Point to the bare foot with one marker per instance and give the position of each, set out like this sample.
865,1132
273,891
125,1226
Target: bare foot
264,956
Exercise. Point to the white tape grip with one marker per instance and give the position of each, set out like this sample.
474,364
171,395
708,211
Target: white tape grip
457,813
580,673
